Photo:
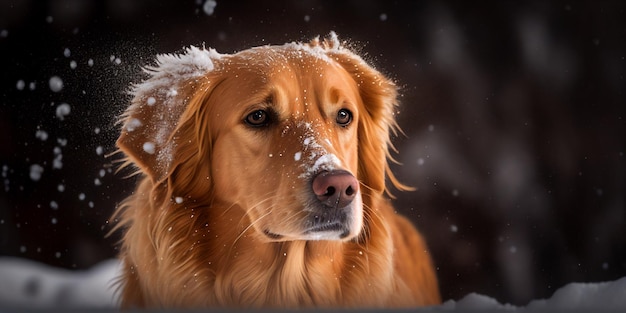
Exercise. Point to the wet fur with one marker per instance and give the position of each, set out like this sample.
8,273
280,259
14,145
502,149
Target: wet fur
208,251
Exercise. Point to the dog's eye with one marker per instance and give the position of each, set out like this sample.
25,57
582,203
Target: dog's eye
344,117
258,118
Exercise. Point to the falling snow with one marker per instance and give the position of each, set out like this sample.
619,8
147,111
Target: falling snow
209,7
63,110
133,124
36,171
41,135
55,83
57,163
115,60
149,147
20,85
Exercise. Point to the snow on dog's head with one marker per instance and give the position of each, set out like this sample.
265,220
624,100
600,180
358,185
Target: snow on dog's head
157,106
316,157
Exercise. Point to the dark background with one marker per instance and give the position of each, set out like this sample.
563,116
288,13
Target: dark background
513,113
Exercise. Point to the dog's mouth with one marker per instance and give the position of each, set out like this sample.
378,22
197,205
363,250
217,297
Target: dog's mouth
317,228
332,227
334,231
328,231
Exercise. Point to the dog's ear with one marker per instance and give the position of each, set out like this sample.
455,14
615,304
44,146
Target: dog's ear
377,116
149,124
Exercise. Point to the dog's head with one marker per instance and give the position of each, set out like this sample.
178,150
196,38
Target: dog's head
296,136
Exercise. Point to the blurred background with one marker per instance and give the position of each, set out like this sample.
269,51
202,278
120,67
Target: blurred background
513,114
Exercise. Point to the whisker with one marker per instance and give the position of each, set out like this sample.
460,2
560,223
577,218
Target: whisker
248,227
246,213
227,209
368,214
366,186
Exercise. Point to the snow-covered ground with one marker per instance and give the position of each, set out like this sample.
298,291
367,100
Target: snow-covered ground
27,284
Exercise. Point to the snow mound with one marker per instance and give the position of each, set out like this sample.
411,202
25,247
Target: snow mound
606,295
574,296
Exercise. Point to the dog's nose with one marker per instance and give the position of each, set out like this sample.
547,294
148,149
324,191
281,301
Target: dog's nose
335,189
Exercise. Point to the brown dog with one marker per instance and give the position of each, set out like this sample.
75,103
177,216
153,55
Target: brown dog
263,175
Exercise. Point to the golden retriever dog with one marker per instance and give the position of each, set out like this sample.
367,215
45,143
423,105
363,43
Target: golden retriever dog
262,184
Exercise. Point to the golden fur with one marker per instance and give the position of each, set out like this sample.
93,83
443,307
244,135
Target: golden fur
216,220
